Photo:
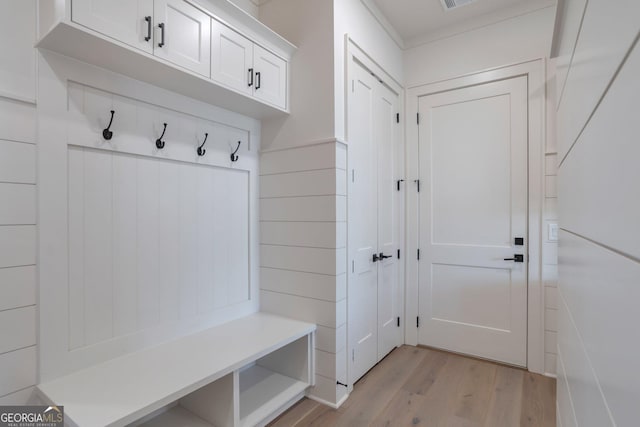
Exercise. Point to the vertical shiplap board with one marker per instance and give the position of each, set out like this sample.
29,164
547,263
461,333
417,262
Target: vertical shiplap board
169,242
303,242
125,251
598,210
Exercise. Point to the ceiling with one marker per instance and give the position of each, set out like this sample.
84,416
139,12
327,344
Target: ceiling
413,20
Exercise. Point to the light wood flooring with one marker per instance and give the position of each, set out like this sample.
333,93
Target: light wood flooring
422,387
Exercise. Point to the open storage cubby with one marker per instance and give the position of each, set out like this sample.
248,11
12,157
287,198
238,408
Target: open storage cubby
250,396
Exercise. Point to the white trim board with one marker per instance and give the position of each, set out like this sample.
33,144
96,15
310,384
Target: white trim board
535,71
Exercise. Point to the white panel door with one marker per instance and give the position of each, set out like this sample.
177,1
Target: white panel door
363,227
373,222
387,139
129,21
473,204
270,77
231,58
183,35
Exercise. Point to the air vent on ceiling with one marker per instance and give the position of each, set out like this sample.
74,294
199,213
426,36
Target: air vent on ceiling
452,4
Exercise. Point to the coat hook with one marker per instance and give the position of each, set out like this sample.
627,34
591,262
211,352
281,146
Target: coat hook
201,150
159,141
107,133
234,156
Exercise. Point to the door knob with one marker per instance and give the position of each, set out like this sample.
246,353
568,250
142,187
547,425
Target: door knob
383,256
516,258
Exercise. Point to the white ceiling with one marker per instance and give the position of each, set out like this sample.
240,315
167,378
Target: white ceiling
415,20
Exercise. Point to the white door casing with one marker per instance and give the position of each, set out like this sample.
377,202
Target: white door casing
374,226
472,204
124,20
187,35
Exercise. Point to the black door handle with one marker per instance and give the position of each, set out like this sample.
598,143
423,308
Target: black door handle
383,256
516,258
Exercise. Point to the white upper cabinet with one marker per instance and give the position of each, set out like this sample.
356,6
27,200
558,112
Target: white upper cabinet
270,77
183,35
231,58
129,21
208,50
240,64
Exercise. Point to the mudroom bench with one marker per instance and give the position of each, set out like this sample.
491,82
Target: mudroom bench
242,373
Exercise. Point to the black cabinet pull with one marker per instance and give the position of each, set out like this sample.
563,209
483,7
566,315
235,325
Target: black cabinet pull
161,25
148,19
258,80
250,77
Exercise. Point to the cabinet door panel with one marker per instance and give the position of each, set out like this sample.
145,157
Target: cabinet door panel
183,35
231,58
124,20
271,77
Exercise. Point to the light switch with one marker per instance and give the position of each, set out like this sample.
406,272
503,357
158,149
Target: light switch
553,232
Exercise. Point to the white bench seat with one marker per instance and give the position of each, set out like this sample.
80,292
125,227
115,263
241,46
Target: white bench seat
129,388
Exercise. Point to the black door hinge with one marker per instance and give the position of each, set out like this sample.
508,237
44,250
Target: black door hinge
418,322
398,118
418,118
398,319
418,254
417,181
398,253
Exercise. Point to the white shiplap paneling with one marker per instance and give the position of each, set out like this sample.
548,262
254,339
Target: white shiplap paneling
17,370
17,245
17,287
17,204
17,162
17,328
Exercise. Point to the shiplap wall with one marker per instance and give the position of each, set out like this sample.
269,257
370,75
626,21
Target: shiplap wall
303,250
17,202
599,207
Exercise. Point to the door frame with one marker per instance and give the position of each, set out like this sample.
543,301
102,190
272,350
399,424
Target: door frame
354,53
535,72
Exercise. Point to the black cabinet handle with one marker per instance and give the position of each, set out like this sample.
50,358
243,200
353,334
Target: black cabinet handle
258,80
250,77
161,25
148,19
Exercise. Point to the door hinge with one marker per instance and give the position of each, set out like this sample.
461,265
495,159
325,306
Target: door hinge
418,118
417,321
398,253
353,266
417,181
398,319
397,117
353,355
398,183
418,254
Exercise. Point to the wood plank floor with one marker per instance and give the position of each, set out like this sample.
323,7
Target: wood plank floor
422,387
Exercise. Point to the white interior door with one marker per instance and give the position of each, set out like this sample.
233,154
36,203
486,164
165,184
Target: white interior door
129,21
373,301
473,204
183,35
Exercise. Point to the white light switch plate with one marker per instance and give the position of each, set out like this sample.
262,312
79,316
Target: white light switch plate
553,232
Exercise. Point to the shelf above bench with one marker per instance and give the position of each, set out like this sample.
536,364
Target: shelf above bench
262,363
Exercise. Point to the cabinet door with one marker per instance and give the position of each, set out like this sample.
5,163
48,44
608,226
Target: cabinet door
270,77
128,21
183,35
231,58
